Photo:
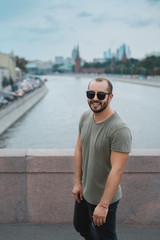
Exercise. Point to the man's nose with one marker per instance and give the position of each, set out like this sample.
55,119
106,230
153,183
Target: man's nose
95,97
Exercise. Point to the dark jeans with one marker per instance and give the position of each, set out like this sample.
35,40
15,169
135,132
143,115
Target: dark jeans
83,223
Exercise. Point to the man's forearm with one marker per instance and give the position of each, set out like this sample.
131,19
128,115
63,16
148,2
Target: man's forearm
77,189
78,166
78,161
118,161
111,187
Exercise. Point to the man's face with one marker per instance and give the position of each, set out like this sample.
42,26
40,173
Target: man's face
96,104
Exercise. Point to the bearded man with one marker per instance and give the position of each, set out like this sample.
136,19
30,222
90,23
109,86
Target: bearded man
102,149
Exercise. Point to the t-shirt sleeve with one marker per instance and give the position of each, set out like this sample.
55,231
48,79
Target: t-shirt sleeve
80,124
121,140
82,120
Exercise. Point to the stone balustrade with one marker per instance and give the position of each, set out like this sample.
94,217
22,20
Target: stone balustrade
36,187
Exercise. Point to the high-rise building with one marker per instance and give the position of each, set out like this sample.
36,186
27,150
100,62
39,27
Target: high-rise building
74,54
105,55
123,52
109,54
59,60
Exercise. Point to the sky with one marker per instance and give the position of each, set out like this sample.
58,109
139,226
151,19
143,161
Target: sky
43,29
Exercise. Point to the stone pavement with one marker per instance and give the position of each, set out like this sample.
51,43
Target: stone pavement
67,232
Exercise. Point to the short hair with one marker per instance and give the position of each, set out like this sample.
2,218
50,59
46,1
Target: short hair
110,86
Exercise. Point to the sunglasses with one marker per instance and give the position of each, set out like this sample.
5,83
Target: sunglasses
100,95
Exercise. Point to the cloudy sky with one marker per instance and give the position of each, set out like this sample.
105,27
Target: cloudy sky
43,29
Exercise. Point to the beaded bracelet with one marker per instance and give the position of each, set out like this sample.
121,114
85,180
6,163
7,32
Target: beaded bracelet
103,206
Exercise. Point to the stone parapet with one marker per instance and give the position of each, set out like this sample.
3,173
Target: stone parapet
36,186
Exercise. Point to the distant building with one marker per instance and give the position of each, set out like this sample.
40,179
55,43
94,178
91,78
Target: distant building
109,54
74,54
68,60
7,67
124,57
39,67
105,55
65,68
122,53
156,54
59,60
77,62
100,60
79,69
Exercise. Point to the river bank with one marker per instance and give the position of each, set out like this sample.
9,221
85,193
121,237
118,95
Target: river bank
133,79
17,109
150,81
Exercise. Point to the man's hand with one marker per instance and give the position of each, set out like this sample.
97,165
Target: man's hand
99,215
77,192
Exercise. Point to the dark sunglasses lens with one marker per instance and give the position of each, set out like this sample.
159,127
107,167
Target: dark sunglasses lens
90,94
101,95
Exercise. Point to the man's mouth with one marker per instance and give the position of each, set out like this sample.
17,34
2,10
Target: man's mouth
95,104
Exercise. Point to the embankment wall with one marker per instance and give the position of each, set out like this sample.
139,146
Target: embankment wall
19,107
36,187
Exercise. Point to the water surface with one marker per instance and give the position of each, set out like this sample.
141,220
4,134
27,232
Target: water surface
53,122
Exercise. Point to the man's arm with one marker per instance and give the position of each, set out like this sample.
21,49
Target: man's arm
77,189
118,161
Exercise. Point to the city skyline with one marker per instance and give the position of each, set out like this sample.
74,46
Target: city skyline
45,29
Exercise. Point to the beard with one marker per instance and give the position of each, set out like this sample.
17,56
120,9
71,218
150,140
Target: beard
103,106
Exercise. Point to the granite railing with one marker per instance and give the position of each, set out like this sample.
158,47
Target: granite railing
36,187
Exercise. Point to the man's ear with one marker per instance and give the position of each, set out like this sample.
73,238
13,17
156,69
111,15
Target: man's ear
110,97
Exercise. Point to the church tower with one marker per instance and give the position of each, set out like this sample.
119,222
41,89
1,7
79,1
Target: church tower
124,57
77,67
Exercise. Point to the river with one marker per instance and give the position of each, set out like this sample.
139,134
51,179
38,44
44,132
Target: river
53,122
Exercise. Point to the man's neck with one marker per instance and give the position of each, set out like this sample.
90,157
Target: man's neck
102,116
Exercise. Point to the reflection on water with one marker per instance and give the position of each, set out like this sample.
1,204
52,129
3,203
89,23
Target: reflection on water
53,122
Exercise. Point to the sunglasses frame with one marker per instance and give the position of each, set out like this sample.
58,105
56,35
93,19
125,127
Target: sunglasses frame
98,94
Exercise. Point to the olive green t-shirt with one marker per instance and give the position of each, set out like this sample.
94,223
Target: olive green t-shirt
98,140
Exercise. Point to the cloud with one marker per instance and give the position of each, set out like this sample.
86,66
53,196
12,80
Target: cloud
134,21
139,22
39,30
84,14
99,19
11,9
61,6
153,1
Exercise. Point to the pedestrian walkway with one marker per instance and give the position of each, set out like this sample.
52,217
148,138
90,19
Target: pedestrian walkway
67,232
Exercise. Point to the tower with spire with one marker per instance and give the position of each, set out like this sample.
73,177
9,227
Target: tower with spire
124,57
77,67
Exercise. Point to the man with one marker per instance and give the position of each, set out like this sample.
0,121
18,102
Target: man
102,149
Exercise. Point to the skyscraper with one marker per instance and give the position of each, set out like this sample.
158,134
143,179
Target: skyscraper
74,54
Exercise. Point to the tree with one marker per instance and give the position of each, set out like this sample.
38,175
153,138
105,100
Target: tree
21,63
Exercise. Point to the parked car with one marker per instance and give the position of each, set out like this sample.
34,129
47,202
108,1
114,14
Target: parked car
14,87
3,102
20,93
10,96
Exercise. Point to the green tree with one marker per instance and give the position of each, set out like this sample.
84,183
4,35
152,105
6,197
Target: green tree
21,63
